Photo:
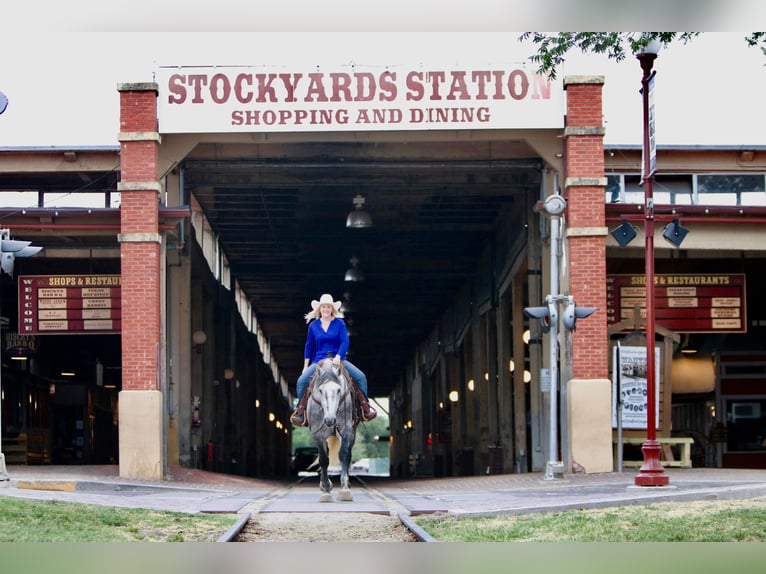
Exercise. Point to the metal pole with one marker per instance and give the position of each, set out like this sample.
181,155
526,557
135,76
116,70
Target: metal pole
652,473
618,391
3,472
554,354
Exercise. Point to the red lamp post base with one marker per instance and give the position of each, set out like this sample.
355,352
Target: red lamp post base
652,472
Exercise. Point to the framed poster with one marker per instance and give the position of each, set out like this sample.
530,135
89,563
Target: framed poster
629,392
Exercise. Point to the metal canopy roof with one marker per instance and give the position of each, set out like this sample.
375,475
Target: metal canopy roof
280,214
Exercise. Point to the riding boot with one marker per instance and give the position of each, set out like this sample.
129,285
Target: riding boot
368,412
298,418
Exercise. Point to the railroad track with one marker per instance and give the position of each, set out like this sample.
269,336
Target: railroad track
295,514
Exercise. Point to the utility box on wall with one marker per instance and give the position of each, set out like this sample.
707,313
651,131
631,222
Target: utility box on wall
495,460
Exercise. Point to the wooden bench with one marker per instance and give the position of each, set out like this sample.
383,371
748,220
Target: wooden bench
667,457
38,451
31,447
15,449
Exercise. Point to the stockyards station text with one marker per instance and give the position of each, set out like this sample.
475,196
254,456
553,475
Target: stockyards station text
358,98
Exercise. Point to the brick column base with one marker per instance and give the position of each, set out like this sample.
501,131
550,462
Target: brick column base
141,435
589,404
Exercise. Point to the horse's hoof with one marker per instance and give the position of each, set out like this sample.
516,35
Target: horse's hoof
326,497
345,496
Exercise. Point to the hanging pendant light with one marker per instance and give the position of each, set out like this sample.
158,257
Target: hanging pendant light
345,306
358,218
353,273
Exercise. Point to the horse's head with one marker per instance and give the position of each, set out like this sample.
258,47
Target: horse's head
330,390
329,398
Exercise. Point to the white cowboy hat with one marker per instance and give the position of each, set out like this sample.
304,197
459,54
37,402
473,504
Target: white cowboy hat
326,298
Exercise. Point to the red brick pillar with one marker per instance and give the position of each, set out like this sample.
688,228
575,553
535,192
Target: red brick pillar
588,398
140,253
586,231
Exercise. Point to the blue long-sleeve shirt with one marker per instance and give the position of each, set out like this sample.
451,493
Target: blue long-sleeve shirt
321,345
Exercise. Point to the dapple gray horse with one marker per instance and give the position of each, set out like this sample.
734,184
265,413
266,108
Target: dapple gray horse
331,421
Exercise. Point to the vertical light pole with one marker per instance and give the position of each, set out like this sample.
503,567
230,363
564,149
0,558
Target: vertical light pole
553,206
651,473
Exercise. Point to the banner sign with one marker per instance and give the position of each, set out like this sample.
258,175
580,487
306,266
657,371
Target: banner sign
694,303
69,304
20,345
629,387
214,99
651,129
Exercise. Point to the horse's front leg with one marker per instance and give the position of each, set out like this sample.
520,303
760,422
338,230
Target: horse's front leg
325,484
345,463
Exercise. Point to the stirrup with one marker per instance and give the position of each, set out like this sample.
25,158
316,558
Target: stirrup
371,414
298,419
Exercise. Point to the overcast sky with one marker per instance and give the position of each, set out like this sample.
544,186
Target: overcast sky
62,91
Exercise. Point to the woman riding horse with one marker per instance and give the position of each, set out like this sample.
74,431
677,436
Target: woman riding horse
327,337
332,423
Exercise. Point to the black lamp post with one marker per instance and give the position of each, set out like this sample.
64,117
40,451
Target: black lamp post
651,473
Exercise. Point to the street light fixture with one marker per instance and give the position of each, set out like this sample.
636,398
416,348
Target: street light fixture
674,232
624,234
651,473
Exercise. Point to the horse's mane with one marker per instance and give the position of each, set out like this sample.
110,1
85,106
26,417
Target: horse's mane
327,372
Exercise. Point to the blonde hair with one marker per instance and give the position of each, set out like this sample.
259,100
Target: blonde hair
316,314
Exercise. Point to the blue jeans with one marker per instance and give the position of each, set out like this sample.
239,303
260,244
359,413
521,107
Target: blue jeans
359,378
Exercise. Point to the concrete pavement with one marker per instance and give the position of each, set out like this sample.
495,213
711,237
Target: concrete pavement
526,493
190,490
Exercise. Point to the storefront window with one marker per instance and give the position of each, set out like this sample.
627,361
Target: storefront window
33,199
688,189
614,186
672,189
746,425
59,199
19,199
731,189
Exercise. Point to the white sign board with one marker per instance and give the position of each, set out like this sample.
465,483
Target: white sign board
545,380
629,387
212,99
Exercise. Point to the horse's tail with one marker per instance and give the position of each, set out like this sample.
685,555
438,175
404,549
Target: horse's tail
333,446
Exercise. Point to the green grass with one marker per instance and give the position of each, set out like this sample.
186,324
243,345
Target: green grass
710,521
24,520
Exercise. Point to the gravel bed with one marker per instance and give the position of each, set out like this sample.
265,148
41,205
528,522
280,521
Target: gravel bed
324,527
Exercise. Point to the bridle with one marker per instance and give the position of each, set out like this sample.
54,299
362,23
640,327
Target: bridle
343,396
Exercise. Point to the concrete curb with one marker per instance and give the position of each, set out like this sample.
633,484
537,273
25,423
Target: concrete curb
107,486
